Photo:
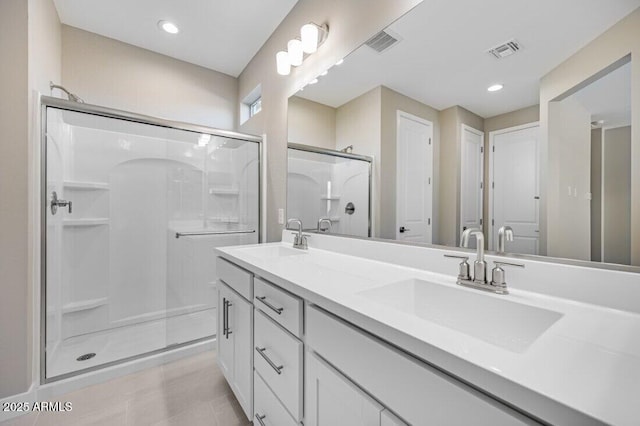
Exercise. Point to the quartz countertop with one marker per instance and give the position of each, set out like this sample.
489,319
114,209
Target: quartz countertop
583,369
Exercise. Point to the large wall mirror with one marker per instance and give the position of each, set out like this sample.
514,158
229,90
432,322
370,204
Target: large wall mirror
452,125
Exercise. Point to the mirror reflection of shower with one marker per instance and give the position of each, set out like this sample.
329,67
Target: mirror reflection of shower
325,186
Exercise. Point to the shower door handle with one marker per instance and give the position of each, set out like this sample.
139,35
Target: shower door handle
56,202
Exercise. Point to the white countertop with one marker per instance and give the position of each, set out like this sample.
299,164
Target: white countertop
583,369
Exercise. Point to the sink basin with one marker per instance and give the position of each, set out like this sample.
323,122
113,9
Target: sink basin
495,320
271,252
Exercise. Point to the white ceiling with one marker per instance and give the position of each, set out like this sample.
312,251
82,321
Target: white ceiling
220,35
442,60
609,98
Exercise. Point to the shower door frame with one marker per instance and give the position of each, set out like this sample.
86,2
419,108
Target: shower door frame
342,154
62,104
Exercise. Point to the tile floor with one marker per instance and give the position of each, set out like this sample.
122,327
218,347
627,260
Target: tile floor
189,392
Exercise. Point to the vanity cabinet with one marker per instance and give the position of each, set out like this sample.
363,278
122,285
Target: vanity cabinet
415,391
289,362
235,333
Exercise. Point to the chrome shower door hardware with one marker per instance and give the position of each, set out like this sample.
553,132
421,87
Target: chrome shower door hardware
56,202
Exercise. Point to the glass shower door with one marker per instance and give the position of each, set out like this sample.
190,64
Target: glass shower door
132,212
217,206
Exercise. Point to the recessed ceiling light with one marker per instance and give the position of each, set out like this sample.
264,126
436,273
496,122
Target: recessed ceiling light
495,87
169,27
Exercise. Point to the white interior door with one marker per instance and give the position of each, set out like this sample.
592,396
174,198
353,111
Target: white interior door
471,185
414,176
515,192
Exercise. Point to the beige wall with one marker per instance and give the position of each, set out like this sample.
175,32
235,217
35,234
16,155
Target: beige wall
596,192
352,23
617,42
311,123
570,224
30,43
391,103
616,232
451,121
14,332
110,73
358,123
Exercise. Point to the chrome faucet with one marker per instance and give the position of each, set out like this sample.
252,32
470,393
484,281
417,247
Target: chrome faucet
479,266
324,220
479,280
504,232
300,240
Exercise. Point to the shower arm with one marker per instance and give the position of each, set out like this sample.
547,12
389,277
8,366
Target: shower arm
70,95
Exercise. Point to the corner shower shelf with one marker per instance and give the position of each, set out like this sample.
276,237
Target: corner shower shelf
86,222
85,185
83,305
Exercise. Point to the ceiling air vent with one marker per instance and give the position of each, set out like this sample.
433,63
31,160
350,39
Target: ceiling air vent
382,41
505,49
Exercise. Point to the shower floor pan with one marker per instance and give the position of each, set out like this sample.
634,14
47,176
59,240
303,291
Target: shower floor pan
129,341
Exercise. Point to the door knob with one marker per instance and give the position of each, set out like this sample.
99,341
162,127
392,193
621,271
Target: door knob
403,229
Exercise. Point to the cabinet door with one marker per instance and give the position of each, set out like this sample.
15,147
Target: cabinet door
225,343
240,323
332,400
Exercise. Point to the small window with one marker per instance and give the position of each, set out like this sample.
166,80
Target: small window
255,107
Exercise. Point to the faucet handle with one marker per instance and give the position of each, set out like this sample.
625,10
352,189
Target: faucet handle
497,273
463,272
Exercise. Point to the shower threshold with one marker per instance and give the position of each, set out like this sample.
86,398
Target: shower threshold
129,341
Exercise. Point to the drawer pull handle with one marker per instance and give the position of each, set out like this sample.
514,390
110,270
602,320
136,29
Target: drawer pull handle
278,369
225,317
259,418
263,299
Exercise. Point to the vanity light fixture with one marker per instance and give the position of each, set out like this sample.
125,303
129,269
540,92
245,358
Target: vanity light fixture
168,27
294,49
311,37
282,63
495,87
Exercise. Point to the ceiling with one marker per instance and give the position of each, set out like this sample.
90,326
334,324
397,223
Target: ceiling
216,34
441,59
609,98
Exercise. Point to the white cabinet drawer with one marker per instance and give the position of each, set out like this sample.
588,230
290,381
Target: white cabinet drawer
268,410
427,395
280,305
235,277
277,358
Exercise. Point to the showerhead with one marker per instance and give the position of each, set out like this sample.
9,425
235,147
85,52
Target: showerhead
70,95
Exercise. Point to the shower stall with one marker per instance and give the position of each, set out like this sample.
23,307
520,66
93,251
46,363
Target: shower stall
328,184
132,207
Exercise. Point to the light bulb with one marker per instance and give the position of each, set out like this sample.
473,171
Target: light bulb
309,36
294,48
169,27
282,63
